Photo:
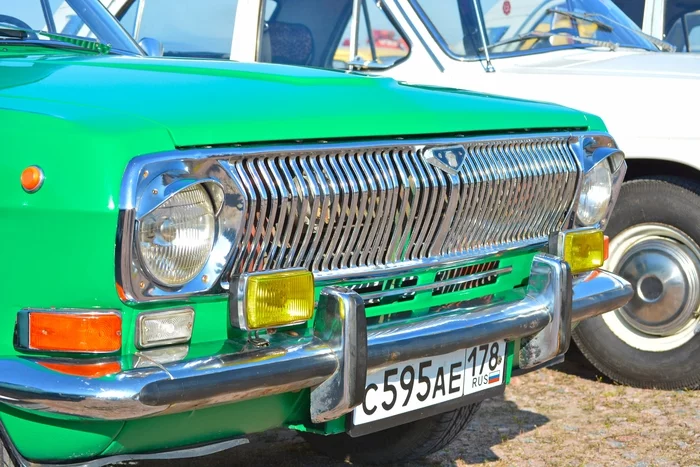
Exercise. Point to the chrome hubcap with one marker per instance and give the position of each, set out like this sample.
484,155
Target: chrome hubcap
663,265
664,274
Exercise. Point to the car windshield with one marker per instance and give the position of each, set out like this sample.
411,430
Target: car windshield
516,27
79,19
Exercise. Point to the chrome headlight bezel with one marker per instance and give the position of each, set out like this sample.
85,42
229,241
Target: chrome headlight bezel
593,149
146,187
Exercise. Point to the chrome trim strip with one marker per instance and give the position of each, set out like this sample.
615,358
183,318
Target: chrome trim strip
370,273
436,285
293,363
323,206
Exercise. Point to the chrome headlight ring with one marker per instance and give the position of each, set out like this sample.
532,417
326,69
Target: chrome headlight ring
599,158
147,187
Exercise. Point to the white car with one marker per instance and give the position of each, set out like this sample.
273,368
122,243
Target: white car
584,54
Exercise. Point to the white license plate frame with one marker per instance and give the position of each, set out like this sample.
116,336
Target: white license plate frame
430,386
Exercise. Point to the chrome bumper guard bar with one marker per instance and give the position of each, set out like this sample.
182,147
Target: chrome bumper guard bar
334,362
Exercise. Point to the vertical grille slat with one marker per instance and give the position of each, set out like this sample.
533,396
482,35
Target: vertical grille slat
379,210
489,190
403,210
367,234
277,246
432,203
269,220
390,218
331,209
533,193
360,210
416,206
350,208
327,211
244,245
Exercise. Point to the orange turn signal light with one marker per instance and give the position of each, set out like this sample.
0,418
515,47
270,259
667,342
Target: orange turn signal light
606,247
75,332
32,178
87,370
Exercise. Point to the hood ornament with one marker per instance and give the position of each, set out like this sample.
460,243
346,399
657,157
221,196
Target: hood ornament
447,158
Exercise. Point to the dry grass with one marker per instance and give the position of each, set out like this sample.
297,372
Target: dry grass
565,416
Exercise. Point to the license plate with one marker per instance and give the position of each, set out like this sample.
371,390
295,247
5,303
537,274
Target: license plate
416,384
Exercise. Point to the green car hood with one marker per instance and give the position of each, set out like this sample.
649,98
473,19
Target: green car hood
215,103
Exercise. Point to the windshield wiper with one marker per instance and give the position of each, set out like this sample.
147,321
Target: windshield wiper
582,17
23,34
7,33
546,35
605,26
663,45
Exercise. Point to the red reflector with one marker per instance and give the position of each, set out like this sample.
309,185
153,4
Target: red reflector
88,370
80,332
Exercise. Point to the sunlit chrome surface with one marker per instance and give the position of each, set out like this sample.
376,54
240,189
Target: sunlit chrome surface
597,149
444,284
334,210
353,210
595,290
348,210
344,326
663,265
553,277
325,360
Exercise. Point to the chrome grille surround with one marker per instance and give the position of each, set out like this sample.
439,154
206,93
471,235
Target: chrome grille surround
334,210
362,210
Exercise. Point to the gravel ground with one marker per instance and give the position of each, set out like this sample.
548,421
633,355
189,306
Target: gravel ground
562,416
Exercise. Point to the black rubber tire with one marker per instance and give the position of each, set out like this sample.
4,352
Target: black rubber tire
671,201
396,445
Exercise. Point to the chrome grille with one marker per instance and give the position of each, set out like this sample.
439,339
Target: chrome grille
330,210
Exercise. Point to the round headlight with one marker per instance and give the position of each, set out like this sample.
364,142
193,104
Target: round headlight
595,194
176,238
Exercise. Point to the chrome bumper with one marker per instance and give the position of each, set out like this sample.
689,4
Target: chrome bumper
334,362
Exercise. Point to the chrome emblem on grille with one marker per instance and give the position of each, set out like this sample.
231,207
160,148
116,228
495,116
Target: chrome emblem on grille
447,158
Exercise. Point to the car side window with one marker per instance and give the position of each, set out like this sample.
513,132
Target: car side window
684,33
632,8
270,8
448,24
64,17
28,12
380,41
317,33
202,29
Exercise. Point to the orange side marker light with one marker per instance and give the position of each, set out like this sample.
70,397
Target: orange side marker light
32,178
79,332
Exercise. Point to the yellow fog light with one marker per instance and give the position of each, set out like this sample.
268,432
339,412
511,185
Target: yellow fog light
268,300
584,250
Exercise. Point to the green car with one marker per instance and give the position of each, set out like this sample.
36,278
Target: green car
194,251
